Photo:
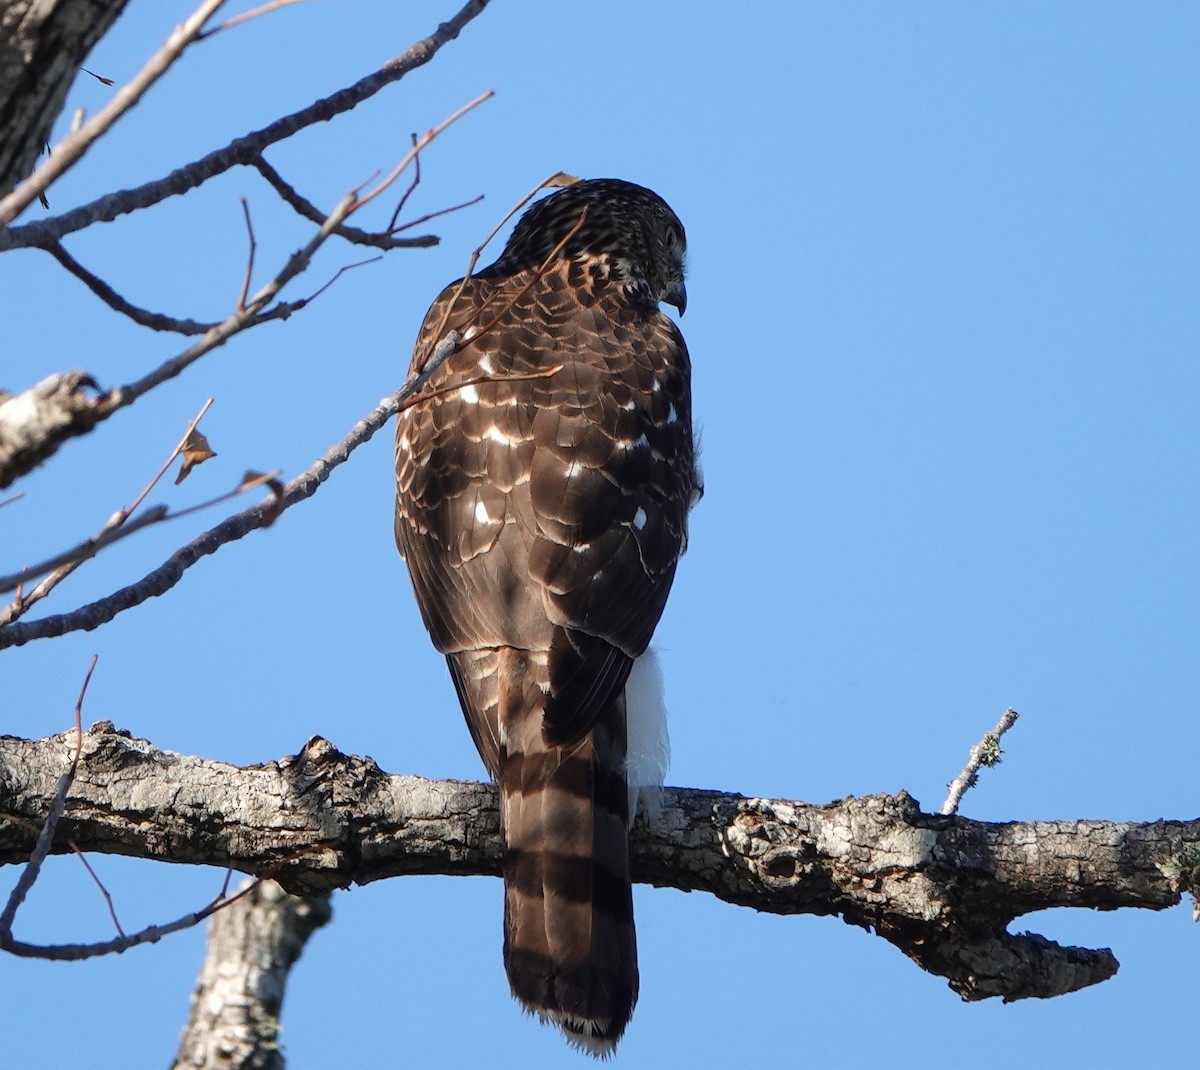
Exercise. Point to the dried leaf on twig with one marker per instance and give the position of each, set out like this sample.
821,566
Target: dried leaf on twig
196,450
273,483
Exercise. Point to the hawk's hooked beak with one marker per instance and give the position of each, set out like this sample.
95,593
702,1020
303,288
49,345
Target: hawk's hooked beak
677,296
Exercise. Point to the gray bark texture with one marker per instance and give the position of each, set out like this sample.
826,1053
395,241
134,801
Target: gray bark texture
252,945
943,889
34,423
42,44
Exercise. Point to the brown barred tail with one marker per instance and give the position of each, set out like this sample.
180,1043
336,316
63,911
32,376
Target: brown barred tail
569,943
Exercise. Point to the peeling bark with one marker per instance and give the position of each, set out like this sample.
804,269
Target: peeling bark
33,424
943,889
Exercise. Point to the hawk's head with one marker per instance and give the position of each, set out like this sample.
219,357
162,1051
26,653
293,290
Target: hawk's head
630,227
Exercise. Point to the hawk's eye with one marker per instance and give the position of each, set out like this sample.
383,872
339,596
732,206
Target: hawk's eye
671,239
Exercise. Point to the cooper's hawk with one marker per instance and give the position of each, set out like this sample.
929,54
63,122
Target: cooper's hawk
543,487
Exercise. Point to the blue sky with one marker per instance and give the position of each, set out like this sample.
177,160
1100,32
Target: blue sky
942,312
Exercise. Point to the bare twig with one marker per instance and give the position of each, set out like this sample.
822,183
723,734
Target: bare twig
154,320
436,214
244,150
66,562
72,148
538,273
986,752
412,187
99,78
108,899
305,208
163,578
46,837
256,309
152,934
415,152
241,301
246,16
63,564
338,274
559,178
439,355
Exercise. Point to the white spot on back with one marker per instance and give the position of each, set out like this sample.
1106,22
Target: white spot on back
486,366
502,437
672,415
469,394
639,518
573,468
481,513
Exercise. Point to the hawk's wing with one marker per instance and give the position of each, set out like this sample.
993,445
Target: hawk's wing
544,482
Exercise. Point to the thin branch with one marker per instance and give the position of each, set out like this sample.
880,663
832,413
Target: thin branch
154,320
46,837
422,142
241,301
99,78
559,178
305,208
244,150
436,214
108,899
246,16
73,147
169,573
152,934
63,564
179,448
986,752
334,278
412,188
256,309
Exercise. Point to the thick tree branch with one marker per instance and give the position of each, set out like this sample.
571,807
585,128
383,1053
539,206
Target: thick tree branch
252,945
941,888
34,423
42,44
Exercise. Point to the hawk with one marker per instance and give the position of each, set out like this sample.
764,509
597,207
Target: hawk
544,479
